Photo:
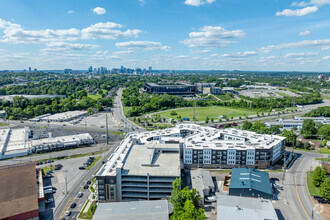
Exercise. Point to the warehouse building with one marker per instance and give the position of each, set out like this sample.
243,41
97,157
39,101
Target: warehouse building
201,86
18,143
60,117
19,192
249,182
180,90
135,210
139,172
201,180
240,208
296,122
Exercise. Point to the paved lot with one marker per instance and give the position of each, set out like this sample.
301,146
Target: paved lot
99,120
63,180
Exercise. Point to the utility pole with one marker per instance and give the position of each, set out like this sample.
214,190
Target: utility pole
66,186
250,110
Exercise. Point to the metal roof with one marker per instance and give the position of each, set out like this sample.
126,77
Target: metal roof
136,210
241,208
250,178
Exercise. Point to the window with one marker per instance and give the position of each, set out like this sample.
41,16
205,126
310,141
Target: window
101,181
101,186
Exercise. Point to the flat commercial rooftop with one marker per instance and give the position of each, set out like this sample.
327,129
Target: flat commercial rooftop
139,210
155,159
241,208
18,189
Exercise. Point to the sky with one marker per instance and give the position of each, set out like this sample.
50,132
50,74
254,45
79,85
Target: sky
255,35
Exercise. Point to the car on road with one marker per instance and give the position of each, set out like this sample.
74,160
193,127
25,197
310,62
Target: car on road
274,179
73,205
86,186
68,213
80,194
89,182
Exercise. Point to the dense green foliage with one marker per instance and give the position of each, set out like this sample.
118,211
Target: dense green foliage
319,175
185,203
260,128
325,189
320,111
290,137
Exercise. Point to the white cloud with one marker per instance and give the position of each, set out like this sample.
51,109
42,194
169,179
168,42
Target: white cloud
212,37
145,45
320,2
300,4
325,48
299,44
241,54
297,12
99,10
197,3
214,55
102,52
305,33
70,12
142,2
326,58
14,33
124,52
309,54
106,31
183,57
67,47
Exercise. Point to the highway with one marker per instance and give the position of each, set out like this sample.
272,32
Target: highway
118,111
78,187
295,185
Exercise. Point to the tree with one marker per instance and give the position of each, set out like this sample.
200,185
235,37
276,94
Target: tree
308,129
319,175
307,145
185,203
207,120
246,125
325,189
324,132
290,137
173,113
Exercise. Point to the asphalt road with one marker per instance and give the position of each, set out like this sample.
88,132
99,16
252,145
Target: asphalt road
118,111
78,187
295,184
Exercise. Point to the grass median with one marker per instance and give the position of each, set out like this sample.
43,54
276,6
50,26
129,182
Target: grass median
313,190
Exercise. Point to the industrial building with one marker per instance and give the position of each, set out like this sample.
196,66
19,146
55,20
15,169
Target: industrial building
60,117
201,180
240,208
296,122
249,182
18,142
19,192
135,210
137,171
181,90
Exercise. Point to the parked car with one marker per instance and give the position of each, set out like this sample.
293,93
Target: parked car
86,186
73,205
233,124
82,168
89,182
68,213
40,163
37,163
210,199
80,194
274,179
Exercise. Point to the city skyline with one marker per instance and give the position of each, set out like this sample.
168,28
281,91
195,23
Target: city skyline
185,34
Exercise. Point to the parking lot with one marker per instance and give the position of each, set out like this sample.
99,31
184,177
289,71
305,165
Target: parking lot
99,120
63,180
